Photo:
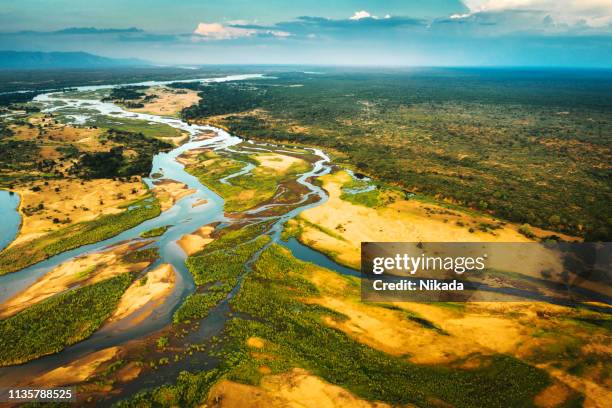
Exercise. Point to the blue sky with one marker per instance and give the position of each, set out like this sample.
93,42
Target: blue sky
343,32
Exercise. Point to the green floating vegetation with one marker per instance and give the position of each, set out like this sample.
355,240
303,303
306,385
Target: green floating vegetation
59,321
83,233
155,232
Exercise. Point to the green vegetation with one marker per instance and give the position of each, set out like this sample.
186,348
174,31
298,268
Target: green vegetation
222,99
155,232
12,80
189,390
233,238
524,146
224,266
131,97
127,92
272,296
59,321
152,130
217,269
144,255
115,162
197,306
98,229
243,192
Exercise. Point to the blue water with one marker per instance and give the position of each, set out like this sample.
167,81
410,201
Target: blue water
304,253
10,220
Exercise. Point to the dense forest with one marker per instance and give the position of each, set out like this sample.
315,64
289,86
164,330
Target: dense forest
528,146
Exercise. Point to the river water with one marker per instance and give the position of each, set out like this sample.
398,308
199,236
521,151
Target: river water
11,220
182,218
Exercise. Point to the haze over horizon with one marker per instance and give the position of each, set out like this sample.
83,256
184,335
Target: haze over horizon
543,33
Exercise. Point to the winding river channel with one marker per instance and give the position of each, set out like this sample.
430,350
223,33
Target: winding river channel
182,218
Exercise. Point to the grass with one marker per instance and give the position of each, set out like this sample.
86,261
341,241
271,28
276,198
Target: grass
223,265
144,255
243,192
218,270
155,232
367,199
233,238
74,236
197,306
156,130
59,321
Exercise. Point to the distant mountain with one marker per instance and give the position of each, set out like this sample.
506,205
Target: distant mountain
50,60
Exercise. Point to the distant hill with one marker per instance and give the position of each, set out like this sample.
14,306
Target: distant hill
50,60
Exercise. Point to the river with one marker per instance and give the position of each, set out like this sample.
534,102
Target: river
183,218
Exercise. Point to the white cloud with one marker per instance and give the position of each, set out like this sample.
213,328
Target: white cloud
280,34
595,13
360,14
218,31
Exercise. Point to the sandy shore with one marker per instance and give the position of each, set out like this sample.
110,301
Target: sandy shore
83,270
296,388
345,225
199,202
70,201
150,291
169,192
279,162
168,101
77,371
197,240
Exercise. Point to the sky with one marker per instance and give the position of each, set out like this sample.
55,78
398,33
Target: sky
557,33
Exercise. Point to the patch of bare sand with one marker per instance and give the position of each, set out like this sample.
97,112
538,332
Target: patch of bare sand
168,101
197,240
552,396
83,270
70,201
77,371
296,389
128,372
199,202
168,192
596,395
467,331
403,220
280,163
255,342
150,290
386,329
